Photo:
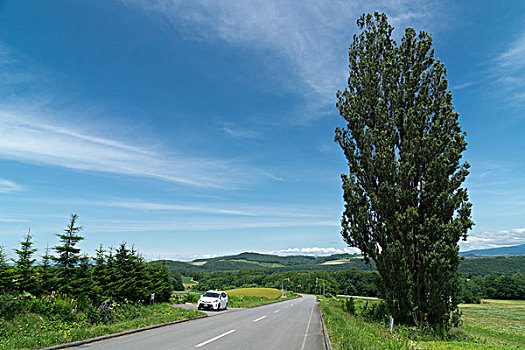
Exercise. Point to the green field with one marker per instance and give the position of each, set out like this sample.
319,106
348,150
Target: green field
257,263
250,297
494,324
269,293
188,282
496,321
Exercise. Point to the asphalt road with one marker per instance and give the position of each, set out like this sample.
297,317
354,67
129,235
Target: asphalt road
292,324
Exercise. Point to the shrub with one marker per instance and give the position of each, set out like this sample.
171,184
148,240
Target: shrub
348,305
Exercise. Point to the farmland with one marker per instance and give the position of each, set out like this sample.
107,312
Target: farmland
250,297
494,324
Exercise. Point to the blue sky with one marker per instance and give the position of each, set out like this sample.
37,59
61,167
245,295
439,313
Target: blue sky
196,128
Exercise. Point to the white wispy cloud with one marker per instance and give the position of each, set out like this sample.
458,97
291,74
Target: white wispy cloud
463,85
315,251
7,186
4,219
210,225
239,133
30,138
511,68
281,210
493,239
12,71
306,40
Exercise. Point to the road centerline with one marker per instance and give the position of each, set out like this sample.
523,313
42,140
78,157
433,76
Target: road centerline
276,311
258,319
213,339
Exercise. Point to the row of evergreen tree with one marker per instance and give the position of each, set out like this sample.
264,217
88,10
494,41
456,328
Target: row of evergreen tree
121,273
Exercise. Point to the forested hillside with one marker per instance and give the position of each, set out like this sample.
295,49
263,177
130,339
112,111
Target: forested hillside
478,266
498,265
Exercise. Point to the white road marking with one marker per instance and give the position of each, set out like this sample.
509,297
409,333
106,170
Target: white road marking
307,327
212,339
276,311
258,319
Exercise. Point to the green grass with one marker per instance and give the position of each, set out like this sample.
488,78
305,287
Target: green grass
250,297
188,282
270,293
495,324
350,332
259,263
499,322
32,331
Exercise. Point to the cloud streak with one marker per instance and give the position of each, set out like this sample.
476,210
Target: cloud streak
310,38
511,68
210,225
239,133
28,138
7,186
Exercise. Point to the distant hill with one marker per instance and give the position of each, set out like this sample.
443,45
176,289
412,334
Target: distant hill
271,263
474,265
514,250
492,265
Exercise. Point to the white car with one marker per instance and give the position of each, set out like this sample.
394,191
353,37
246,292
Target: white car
213,299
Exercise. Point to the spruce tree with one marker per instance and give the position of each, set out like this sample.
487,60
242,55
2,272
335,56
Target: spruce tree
47,273
99,270
159,281
82,284
26,279
6,273
405,207
68,255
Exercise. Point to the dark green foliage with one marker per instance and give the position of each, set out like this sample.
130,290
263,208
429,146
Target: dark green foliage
492,265
26,279
405,207
363,283
270,263
377,311
47,273
159,281
82,283
68,255
470,292
122,276
6,273
349,305
176,277
468,266
501,287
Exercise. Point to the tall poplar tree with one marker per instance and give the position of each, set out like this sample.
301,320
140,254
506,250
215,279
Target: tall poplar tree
405,207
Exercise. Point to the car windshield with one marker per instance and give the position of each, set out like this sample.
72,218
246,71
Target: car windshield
211,295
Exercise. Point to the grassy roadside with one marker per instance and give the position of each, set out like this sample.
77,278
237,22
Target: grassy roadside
494,325
353,332
31,331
